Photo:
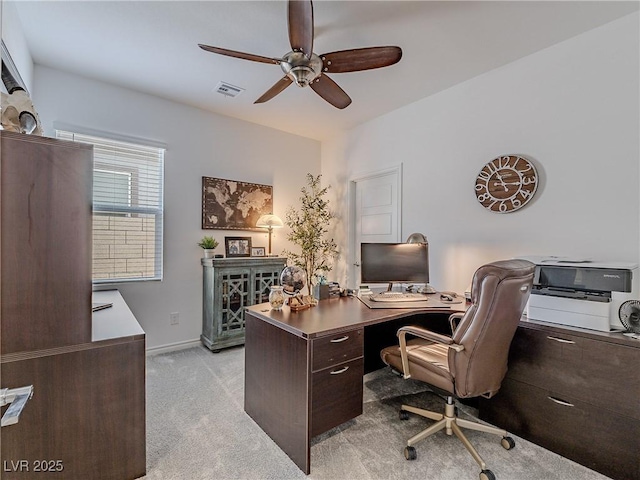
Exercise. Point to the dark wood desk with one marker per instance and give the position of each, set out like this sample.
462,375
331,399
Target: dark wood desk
86,419
303,370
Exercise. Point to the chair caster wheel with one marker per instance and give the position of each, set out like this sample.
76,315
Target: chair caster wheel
403,415
507,443
487,475
410,453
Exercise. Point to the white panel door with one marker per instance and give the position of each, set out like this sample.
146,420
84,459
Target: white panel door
376,213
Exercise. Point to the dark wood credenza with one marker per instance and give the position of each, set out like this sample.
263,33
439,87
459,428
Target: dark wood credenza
86,419
575,392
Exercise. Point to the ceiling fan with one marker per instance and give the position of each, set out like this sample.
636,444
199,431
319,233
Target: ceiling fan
305,68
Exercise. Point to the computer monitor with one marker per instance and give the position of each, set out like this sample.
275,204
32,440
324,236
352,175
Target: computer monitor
394,263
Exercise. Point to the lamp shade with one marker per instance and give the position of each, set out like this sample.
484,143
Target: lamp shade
269,221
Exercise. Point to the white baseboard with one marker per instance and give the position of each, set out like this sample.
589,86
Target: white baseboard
172,347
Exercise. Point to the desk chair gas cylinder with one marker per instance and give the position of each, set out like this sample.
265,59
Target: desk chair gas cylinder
473,361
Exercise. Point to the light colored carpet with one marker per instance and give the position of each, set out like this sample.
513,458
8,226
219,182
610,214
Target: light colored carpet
197,429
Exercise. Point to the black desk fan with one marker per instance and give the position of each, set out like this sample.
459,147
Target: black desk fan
629,314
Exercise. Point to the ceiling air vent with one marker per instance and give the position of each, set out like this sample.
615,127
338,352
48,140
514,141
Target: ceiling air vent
228,90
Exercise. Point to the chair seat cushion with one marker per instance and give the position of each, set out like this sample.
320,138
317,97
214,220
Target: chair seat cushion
428,362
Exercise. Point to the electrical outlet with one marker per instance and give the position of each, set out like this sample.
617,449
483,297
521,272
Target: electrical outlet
174,317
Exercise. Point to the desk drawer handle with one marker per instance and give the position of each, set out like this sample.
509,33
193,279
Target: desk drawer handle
561,402
338,372
341,339
561,340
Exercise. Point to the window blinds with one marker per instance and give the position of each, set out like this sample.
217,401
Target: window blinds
127,209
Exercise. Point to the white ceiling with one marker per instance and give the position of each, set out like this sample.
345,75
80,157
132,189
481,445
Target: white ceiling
152,47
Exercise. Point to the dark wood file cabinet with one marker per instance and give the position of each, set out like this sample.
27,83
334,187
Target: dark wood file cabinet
575,392
336,380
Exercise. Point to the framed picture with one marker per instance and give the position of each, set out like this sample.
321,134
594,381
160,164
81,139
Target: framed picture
257,252
234,205
237,246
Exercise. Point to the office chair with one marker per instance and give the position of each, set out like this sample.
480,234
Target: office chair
473,361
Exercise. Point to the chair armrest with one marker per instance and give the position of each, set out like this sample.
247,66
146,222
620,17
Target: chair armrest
454,318
427,335
424,333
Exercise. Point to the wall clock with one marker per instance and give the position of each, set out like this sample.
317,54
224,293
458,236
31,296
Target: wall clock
506,183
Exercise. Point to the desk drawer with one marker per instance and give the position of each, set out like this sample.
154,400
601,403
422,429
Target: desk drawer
336,395
585,369
334,349
598,439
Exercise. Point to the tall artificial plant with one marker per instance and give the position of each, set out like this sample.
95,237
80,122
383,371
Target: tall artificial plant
309,225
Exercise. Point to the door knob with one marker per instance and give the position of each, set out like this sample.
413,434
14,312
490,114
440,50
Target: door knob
17,398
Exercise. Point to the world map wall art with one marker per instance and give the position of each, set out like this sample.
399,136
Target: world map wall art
234,205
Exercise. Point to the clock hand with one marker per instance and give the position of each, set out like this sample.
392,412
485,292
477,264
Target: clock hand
504,185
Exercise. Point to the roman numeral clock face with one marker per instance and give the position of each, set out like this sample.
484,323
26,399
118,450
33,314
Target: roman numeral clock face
506,184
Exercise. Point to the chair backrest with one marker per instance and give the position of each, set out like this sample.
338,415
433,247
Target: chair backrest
499,294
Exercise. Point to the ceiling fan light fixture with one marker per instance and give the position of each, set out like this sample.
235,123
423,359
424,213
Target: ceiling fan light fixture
301,69
303,76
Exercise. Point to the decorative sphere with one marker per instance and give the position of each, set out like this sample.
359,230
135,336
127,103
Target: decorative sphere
293,279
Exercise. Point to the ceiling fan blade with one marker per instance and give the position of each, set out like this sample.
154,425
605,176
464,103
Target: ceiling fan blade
331,92
244,56
301,26
279,86
360,59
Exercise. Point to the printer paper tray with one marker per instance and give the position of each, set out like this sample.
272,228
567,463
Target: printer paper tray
568,311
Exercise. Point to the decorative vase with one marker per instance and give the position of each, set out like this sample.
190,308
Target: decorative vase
276,297
208,252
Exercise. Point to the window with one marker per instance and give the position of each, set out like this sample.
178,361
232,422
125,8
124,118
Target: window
127,209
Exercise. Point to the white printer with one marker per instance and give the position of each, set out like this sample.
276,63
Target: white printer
581,293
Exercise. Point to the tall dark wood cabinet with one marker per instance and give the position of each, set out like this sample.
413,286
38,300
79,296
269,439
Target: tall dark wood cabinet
86,418
575,392
46,243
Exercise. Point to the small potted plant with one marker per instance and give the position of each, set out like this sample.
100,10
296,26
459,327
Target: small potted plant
208,244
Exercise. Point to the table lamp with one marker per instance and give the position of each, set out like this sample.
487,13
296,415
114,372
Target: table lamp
417,238
421,238
269,221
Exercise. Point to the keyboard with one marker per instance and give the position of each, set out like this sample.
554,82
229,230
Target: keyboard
399,297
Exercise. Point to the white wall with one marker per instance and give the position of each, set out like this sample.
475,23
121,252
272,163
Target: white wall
16,43
198,144
572,108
